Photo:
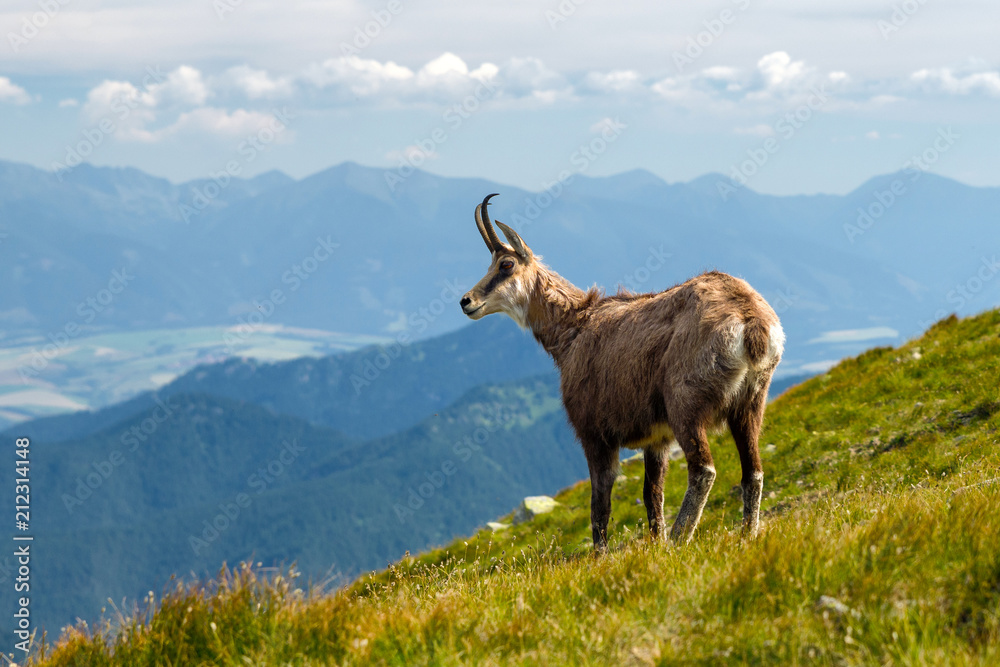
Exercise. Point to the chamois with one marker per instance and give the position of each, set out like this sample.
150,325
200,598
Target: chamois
640,370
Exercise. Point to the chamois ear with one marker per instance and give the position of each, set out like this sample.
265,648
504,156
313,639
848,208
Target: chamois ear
522,250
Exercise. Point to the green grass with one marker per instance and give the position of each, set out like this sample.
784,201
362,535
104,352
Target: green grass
882,491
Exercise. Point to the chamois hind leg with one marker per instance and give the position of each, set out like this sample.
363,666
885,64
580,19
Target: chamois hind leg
603,464
701,476
745,421
655,459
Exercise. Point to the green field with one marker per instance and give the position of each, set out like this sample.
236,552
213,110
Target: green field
97,370
880,544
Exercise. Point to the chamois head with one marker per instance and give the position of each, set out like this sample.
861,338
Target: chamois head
505,287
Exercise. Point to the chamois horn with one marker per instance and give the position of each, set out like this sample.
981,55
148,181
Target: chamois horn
493,241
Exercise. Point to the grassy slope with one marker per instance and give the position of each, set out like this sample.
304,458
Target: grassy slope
880,492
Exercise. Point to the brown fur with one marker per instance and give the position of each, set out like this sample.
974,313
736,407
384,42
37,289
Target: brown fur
637,369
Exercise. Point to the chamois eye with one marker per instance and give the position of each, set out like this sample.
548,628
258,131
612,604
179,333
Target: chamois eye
507,264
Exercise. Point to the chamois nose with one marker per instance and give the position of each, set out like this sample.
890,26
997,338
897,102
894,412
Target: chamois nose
465,301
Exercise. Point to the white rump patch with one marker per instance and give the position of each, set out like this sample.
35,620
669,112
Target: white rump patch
776,341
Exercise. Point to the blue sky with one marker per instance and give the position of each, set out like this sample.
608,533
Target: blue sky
798,97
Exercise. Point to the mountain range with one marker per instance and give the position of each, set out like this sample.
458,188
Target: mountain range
344,251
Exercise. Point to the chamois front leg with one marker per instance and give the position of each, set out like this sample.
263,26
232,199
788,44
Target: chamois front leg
603,466
701,476
655,460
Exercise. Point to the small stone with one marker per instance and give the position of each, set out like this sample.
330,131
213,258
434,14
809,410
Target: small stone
770,447
675,453
621,478
496,526
827,603
532,506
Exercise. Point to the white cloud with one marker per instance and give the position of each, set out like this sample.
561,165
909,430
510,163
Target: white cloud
166,106
130,109
360,76
721,73
257,83
780,71
239,122
776,82
855,335
617,81
873,135
484,72
69,102
679,90
529,77
450,75
445,79
12,93
945,80
818,366
444,65
183,86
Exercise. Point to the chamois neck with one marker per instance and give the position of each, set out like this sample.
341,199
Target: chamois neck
556,311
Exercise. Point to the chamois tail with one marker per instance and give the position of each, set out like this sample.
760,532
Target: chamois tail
756,340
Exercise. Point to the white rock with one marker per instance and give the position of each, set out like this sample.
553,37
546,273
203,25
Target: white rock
497,526
532,506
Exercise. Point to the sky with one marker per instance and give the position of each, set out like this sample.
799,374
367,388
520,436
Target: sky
784,97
